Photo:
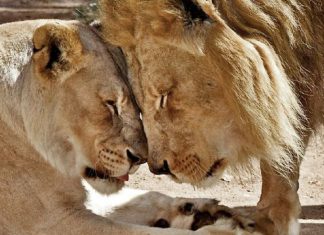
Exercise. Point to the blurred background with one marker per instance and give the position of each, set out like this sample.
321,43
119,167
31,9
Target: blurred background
15,10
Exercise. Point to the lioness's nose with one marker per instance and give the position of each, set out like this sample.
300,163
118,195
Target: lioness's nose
162,169
134,159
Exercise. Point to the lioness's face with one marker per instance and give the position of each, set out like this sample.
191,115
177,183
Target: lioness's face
191,126
85,121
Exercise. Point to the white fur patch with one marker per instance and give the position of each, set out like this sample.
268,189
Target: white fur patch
103,204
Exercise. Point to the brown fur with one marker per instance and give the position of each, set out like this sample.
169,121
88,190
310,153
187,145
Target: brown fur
246,82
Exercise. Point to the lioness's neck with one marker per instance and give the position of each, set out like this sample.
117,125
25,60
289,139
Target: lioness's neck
15,146
10,110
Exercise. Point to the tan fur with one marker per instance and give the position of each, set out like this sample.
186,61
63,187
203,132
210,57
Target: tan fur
55,79
245,83
173,210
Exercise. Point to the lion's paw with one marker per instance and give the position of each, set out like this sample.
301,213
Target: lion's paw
195,214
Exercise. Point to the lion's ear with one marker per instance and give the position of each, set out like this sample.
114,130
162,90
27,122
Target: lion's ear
57,50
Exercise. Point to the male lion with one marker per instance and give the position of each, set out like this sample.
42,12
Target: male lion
67,114
223,82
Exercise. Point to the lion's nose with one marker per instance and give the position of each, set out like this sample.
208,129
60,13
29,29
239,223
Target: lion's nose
163,169
134,159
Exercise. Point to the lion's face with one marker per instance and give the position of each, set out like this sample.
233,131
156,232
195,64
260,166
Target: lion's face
77,110
189,125
210,96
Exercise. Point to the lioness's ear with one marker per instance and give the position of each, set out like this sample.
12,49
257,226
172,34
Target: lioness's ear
57,50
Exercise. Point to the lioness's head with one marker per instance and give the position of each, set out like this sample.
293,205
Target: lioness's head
77,110
211,94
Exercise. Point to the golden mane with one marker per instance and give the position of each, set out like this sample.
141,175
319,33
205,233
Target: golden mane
292,28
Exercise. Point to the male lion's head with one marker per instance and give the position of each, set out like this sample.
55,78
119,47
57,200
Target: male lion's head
77,110
211,86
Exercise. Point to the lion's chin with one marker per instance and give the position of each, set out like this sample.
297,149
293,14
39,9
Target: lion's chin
106,186
206,182
210,181
211,177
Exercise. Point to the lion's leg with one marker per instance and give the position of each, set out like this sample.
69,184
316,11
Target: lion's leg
158,210
133,218
84,222
279,199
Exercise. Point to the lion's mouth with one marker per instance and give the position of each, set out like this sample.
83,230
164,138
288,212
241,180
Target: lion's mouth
91,173
193,11
216,165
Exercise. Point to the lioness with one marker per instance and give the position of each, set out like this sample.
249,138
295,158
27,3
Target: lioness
65,113
223,82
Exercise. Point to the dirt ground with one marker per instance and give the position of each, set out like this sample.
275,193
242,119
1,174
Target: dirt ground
235,192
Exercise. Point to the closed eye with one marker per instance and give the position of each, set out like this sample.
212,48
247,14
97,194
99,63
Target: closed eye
163,101
112,105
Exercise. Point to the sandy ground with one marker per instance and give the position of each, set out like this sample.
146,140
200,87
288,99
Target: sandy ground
245,191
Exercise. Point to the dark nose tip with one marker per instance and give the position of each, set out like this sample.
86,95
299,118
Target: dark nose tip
161,170
134,159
